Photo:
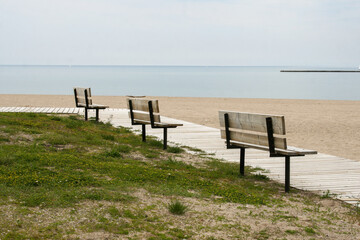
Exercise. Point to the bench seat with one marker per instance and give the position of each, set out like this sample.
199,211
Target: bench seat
94,106
159,124
290,151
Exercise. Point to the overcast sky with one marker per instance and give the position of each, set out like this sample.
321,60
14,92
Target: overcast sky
181,32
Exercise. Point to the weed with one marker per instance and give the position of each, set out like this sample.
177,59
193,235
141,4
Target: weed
309,231
177,208
327,194
113,153
260,177
292,232
175,150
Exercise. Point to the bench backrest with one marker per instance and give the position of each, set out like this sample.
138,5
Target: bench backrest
256,129
143,111
82,97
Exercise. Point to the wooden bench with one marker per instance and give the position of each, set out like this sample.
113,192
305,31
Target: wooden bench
83,99
146,112
259,131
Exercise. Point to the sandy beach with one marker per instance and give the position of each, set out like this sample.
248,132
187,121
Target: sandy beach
330,127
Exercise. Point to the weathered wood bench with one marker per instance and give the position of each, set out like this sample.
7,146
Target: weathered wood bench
259,131
146,112
83,99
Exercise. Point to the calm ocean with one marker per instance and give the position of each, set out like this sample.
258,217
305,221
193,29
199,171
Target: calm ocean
234,82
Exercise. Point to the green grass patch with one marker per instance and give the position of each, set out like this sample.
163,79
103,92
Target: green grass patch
70,160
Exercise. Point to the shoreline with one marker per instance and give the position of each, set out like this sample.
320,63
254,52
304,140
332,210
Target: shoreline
328,126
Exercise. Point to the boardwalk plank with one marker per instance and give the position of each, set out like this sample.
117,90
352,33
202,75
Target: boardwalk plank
22,109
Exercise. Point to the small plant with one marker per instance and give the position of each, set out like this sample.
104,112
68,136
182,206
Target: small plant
177,208
291,231
175,150
327,194
260,177
310,231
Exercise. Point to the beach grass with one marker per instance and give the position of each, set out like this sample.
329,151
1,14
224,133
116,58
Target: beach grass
98,179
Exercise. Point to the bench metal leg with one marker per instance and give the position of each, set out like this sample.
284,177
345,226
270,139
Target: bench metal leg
97,115
143,132
287,173
86,114
165,138
242,161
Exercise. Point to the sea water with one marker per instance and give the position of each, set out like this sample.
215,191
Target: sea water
182,81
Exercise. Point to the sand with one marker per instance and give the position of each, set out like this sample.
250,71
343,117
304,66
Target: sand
330,127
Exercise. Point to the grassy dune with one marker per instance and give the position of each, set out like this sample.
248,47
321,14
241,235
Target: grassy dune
64,178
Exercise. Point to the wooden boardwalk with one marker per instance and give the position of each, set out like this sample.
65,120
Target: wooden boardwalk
319,172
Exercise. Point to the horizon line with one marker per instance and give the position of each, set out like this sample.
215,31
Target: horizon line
150,65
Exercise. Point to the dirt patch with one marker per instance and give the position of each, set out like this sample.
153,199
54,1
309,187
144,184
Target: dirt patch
299,216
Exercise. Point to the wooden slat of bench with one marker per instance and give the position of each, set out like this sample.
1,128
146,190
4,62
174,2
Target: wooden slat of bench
81,100
305,151
81,91
97,106
141,121
161,124
142,116
254,139
81,105
143,104
253,122
277,150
